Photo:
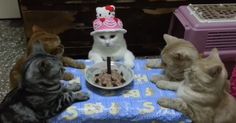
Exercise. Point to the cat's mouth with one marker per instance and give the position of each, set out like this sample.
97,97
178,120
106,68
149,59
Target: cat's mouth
59,73
177,73
56,74
108,45
189,73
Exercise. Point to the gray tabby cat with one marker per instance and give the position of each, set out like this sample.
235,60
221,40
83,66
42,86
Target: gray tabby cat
177,55
40,96
202,95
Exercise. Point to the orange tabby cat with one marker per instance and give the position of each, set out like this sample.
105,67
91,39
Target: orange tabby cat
202,95
52,45
177,55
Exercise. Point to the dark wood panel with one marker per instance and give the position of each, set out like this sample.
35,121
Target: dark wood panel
81,4
145,20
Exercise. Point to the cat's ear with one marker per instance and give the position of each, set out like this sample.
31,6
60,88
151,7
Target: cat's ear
36,28
214,70
214,54
37,47
170,39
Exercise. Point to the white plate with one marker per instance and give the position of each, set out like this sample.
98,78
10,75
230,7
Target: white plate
90,73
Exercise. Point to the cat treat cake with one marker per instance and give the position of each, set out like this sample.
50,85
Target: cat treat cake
113,79
109,76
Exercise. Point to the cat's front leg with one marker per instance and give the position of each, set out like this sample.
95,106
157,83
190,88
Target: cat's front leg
65,100
154,63
177,104
157,78
67,61
163,84
80,96
129,59
68,76
72,85
70,97
95,57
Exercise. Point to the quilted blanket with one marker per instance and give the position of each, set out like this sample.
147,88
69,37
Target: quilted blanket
136,103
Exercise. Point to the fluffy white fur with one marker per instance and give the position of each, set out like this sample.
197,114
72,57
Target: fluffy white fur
111,44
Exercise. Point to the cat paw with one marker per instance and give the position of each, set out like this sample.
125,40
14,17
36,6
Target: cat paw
80,65
156,78
73,87
164,102
153,63
97,59
68,76
161,84
74,84
80,96
129,64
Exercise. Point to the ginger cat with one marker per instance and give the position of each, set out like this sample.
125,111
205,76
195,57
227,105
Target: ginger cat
202,95
52,45
177,55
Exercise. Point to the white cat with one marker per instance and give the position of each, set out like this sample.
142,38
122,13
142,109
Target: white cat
111,44
108,36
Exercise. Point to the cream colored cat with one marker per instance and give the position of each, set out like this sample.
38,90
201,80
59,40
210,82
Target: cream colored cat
202,95
177,55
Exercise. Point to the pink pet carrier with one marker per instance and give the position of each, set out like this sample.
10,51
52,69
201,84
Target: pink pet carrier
208,26
233,82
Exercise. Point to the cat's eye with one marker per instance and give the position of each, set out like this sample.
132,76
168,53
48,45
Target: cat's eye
112,36
100,15
109,13
102,37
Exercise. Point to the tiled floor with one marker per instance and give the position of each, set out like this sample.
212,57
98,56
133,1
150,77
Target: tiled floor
12,45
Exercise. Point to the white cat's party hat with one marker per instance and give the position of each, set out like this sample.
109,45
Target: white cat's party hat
106,20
